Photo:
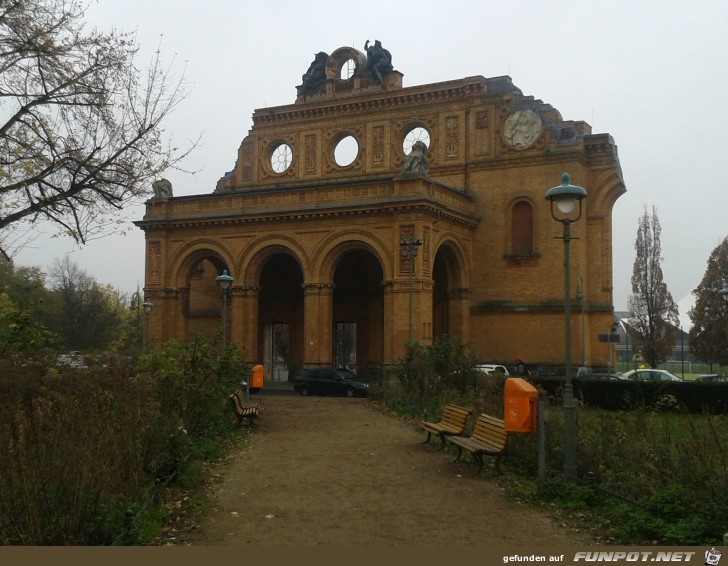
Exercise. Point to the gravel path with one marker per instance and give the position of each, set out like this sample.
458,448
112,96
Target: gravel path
338,471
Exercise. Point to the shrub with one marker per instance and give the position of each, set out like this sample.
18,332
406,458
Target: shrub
82,446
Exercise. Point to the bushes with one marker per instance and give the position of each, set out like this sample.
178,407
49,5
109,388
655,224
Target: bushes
429,373
81,446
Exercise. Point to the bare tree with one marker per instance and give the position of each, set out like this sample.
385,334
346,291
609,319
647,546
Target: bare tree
709,315
88,314
653,312
80,134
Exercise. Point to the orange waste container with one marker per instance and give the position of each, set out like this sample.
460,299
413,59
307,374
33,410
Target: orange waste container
256,378
520,405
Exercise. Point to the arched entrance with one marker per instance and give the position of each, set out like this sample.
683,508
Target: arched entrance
358,310
447,294
280,316
201,294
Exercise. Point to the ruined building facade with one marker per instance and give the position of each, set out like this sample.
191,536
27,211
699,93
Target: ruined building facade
313,224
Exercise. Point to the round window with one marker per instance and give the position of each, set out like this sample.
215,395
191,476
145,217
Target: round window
281,157
347,69
414,135
346,151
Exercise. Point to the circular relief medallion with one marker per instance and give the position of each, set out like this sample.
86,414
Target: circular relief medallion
281,157
522,129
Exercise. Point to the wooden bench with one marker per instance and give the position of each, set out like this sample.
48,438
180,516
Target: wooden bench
489,438
244,410
452,422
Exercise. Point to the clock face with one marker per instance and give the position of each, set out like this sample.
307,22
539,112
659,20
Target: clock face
415,135
281,158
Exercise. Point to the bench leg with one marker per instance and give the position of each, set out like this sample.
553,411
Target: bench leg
478,457
460,453
442,442
427,440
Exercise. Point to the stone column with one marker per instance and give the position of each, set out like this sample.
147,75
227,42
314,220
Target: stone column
317,323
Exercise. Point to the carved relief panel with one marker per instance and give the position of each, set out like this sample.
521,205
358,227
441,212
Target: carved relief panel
453,140
154,256
481,131
311,153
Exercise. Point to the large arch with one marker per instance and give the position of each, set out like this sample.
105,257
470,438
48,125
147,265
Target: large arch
270,307
355,271
358,306
198,292
281,330
450,291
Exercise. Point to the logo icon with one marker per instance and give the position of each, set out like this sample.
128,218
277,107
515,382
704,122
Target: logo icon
712,557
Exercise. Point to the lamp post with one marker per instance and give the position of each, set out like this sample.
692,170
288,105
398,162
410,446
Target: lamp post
410,248
148,305
224,280
564,198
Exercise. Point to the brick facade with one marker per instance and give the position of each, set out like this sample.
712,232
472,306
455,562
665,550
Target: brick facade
313,240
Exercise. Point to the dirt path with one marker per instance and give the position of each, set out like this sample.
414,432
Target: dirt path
338,471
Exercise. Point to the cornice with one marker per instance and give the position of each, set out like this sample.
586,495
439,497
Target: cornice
278,216
386,100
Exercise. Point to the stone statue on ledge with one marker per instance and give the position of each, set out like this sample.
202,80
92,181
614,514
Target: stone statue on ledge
416,162
162,190
379,61
315,76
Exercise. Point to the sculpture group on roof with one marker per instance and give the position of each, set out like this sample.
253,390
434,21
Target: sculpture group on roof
378,65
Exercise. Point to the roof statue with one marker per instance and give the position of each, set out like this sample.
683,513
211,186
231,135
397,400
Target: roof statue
379,61
315,76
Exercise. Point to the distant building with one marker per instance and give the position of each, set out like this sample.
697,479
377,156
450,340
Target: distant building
625,347
330,194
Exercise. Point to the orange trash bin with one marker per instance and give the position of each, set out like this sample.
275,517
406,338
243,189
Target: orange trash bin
256,378
520,405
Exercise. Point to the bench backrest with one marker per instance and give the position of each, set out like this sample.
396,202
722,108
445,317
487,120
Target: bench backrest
455,415
490,429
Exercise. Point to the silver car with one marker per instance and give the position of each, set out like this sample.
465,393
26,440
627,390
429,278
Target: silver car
650,374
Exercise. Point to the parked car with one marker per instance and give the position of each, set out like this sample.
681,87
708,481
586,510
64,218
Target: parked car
711,378
598,372
605,375
330,381
492,369
649,374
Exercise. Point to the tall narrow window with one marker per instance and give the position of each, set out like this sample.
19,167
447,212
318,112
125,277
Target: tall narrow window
522,228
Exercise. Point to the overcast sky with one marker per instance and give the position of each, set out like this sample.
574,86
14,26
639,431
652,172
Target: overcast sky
650,73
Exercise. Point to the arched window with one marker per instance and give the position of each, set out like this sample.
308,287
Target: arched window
522,228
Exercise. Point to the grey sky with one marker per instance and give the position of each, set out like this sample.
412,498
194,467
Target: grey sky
650,73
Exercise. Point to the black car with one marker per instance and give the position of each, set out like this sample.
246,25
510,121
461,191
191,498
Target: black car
711,378
330,381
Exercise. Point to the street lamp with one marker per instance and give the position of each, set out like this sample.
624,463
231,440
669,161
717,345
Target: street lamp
410,248
224,281
148,305
564,199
